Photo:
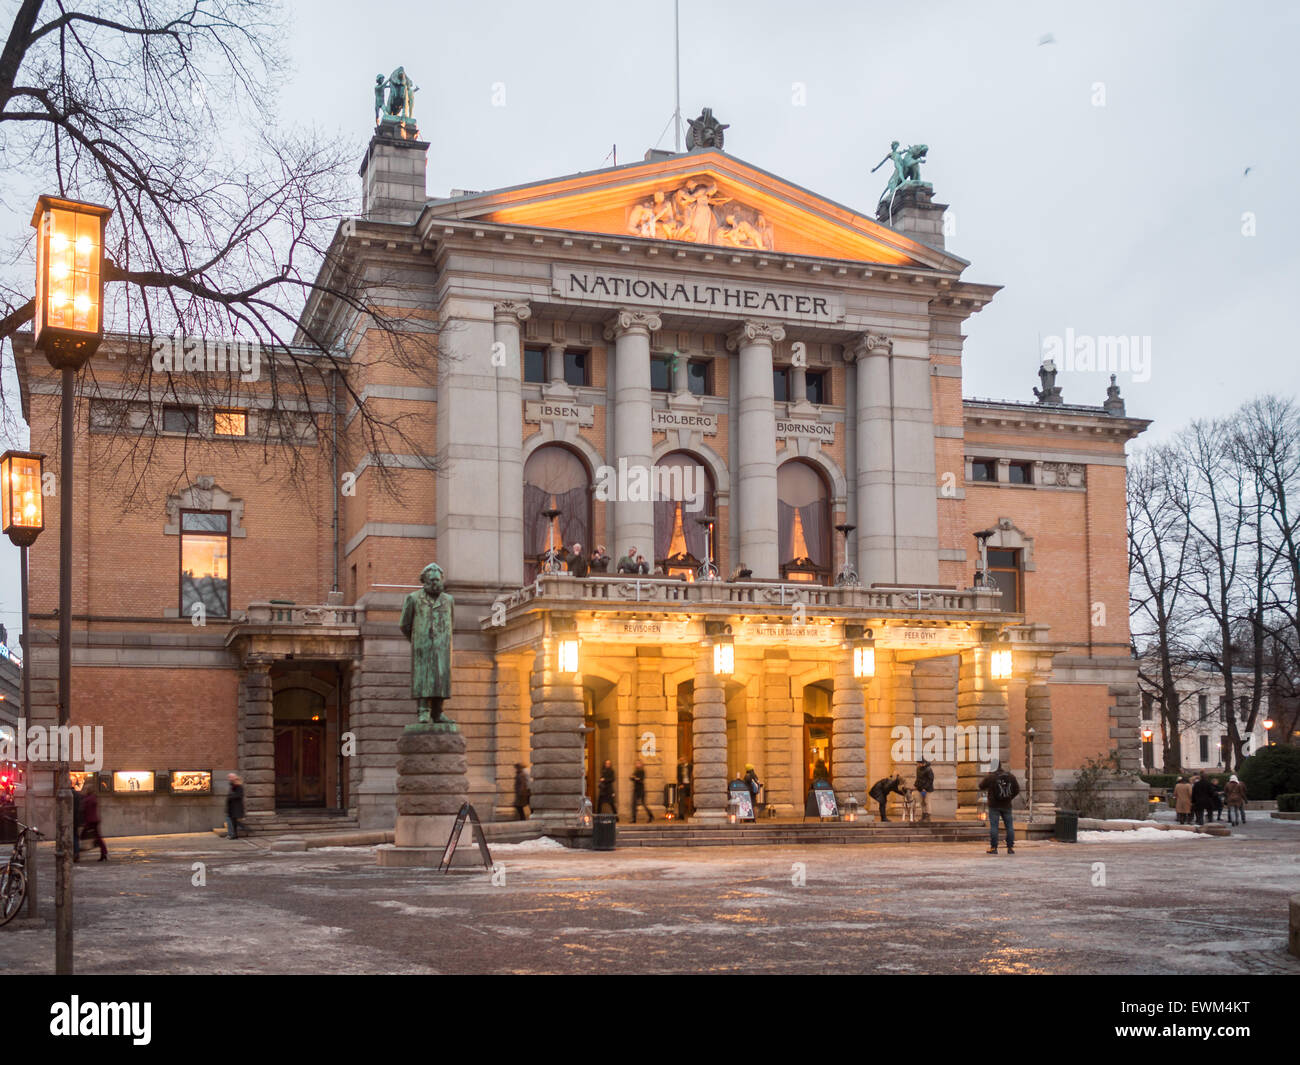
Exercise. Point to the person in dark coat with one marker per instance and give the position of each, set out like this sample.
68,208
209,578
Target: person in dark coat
638,791
523,791
600,560
924,784
90,821
576,561
77,818
235,808
754,784
1002,788
881,789
1202,798
606,792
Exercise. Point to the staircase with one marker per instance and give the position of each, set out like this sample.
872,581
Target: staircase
300,823
790,833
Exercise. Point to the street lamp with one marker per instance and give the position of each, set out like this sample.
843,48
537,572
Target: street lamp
24,518
864,651
69,324
718,634
1029,758
1268,727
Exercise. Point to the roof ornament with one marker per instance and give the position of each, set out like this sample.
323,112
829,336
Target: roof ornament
396,114
1050,394
705,131
907,171
1114,401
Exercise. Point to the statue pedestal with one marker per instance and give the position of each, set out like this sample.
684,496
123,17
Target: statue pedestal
432,784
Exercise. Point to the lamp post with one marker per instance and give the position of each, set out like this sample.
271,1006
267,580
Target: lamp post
1268,728
848,574
708,571
552,564
1029,769
69,324
24,519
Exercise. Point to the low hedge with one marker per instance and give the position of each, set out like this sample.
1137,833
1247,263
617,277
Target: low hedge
1160,780
1289,803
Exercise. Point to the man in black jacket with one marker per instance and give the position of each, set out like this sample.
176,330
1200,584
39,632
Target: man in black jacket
1203,799
606,792
924,784
880,791
1002,788
576,561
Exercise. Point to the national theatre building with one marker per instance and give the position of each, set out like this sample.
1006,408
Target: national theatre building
847,565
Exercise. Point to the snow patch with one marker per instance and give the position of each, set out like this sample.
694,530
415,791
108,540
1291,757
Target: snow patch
1139,835
528,846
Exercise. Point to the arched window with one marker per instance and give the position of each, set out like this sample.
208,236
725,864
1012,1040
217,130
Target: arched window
803,523
555,479
683,493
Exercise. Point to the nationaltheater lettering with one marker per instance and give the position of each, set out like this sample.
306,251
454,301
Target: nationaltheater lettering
696,295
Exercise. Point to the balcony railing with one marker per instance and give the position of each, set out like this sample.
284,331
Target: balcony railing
306,615
595,592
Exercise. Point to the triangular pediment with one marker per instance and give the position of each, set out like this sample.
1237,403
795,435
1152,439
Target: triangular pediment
701,197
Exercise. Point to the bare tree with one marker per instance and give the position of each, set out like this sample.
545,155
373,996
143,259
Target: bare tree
225,224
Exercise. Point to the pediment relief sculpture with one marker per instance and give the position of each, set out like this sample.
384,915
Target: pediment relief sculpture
698,212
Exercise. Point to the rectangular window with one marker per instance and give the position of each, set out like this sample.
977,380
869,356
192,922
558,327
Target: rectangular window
230,422
1148,706
1243,707
661,373
1004,571
819,386
180,419
576,368
1019,473
1205,749
535,365
983,470
781,384
1202,705
699,377
1223,711
205,562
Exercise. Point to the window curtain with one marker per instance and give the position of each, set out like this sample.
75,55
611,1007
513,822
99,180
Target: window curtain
665,516
573,521
785,530
694,533
814,521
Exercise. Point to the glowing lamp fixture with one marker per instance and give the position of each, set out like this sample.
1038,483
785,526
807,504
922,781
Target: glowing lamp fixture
566,655
1000,664
850,809
20,496
1268,724
1146,735
69,320
718,634
864,651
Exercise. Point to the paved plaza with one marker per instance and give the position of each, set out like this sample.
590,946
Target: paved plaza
1196,905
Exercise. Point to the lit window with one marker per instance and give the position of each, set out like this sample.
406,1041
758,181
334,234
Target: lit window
180,419
205,562
230,423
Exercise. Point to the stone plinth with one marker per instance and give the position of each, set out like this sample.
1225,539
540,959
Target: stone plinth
432,785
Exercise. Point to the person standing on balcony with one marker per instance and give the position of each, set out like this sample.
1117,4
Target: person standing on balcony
576,561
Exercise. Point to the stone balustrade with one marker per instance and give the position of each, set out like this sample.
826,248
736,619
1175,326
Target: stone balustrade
295,614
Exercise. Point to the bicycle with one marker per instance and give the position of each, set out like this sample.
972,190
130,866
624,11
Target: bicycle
13,879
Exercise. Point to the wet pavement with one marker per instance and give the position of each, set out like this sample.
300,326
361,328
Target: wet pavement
196,904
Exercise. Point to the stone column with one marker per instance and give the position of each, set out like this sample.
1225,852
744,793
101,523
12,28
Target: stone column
257,741
784,738
681,375
634,520
935,683
555,736
709,781
650,714
849,735
981,706
510,536
880,715
875,459
555,365
1038,716
798,384
756,463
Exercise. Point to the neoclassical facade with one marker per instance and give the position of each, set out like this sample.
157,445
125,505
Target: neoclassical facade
757,389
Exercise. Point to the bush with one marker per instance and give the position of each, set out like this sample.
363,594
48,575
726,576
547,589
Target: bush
1161,780
1270,772
1088,797
1289,802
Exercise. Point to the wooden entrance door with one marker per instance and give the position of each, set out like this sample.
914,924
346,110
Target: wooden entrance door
300,764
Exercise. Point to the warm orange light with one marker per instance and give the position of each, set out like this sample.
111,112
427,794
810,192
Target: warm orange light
69,279
20,496
1000,665
1268,724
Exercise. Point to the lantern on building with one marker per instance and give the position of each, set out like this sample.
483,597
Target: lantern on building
718,634
733,808
69,313
566,654
20,496
864,651
1000,663
584,813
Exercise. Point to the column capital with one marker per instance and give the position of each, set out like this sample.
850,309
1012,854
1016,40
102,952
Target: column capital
512,311
749,332
864,344
632,322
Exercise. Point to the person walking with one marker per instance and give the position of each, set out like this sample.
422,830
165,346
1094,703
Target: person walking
1235,794
755,785
638,791
606,792
1003,789
77,818
1183,800
235,807
90,821
881,789
1202,798
924,784
523,791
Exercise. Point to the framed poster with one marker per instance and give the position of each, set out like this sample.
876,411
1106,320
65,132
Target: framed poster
826,806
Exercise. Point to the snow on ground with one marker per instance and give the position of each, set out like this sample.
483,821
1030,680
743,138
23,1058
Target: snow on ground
545,843
1139,835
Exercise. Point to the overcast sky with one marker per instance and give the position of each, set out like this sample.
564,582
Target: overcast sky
1099,177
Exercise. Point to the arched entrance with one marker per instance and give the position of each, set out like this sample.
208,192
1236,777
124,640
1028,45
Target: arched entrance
818,730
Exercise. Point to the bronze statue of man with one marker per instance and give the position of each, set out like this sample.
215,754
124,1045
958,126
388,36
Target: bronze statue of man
427,617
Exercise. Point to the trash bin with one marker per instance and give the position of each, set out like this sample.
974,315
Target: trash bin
602,832
8,823
1067,826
